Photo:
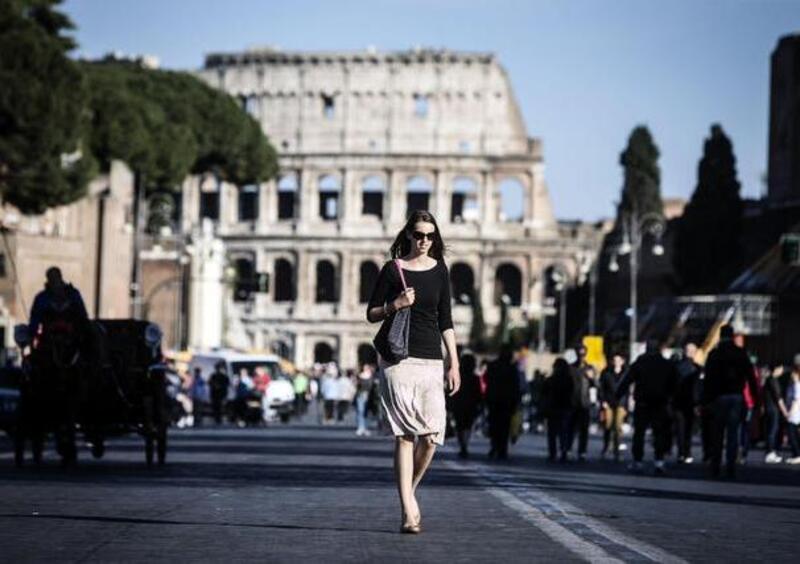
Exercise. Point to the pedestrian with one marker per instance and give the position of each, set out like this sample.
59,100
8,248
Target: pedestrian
581,415
219,382
535,390
686,399
200,397
345,393
502,400
329,391
774,409
728,370
655,380
412,388
364,386
556,406
792,412
466,403
301,389
613,408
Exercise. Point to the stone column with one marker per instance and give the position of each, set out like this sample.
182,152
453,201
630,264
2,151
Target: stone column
305,195
190,203
442,191
267,205
487,201
207,294
397,200
304,279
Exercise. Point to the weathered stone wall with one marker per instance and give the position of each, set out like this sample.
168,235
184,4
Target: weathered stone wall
350,125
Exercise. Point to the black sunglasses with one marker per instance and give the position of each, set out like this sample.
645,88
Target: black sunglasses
419,235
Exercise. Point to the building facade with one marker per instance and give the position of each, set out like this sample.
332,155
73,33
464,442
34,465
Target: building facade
784,123
89,240
363,139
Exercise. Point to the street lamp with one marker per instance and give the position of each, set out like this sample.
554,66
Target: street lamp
635,227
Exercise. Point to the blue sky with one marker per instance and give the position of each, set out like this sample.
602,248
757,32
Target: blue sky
584,72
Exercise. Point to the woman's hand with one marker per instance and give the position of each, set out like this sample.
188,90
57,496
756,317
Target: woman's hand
453,380
405,299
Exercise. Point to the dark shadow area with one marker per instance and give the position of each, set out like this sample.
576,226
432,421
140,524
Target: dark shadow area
135,521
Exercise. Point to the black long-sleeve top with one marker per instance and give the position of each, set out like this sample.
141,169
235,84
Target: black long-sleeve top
728,369
609,382
430,313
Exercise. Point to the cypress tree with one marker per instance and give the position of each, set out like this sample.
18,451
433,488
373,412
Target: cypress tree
709,232
641,189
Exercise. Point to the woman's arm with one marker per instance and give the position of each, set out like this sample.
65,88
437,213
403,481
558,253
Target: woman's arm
454,369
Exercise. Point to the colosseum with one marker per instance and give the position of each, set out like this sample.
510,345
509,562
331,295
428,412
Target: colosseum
363,138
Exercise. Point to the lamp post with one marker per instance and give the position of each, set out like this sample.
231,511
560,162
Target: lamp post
560,285
558,275
635,227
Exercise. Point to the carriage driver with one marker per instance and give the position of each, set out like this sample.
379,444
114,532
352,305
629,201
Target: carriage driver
58,298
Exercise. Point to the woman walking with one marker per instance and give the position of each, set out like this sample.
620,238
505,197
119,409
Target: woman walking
412,388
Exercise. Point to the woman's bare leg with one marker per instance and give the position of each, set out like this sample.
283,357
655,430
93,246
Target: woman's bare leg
423,455
404,473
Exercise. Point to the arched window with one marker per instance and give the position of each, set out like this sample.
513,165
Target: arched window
368,276
464,206
209,199
512,200
284,281
323,353
508,282
418,193
329,188
287,196
245,283
367,354
462,282
248,202
372,191
327,292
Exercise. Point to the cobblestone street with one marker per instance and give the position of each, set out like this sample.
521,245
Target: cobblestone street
303,492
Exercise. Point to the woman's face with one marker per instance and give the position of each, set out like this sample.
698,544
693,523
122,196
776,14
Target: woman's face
422,237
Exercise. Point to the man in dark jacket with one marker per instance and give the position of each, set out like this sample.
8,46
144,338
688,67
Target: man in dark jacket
686,399
219,383
655,379
557,406
583,381
502,399
728,370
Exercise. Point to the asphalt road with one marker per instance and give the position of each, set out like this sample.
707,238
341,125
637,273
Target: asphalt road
309,493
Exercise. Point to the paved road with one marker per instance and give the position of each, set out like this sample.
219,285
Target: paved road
310,493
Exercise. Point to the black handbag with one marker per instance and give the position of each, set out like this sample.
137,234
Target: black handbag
395,347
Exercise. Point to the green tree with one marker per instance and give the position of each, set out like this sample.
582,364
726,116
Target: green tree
43,159
708,234
166,125
641,189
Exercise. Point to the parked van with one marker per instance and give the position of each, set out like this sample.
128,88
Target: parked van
279,398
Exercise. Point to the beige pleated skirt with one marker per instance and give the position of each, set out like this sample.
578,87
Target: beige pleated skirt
412,396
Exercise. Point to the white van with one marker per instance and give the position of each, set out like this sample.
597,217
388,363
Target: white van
279,399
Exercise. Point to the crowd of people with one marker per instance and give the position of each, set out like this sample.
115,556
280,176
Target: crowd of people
729,403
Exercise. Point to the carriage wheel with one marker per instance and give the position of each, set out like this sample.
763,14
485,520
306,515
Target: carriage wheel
98,447
19,449
162,446
148,450
37,447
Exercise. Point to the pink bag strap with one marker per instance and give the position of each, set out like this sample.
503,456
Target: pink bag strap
400,272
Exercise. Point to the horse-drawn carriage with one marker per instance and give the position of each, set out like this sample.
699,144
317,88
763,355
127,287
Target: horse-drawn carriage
94,379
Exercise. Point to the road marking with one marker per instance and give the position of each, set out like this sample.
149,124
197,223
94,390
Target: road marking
566,524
